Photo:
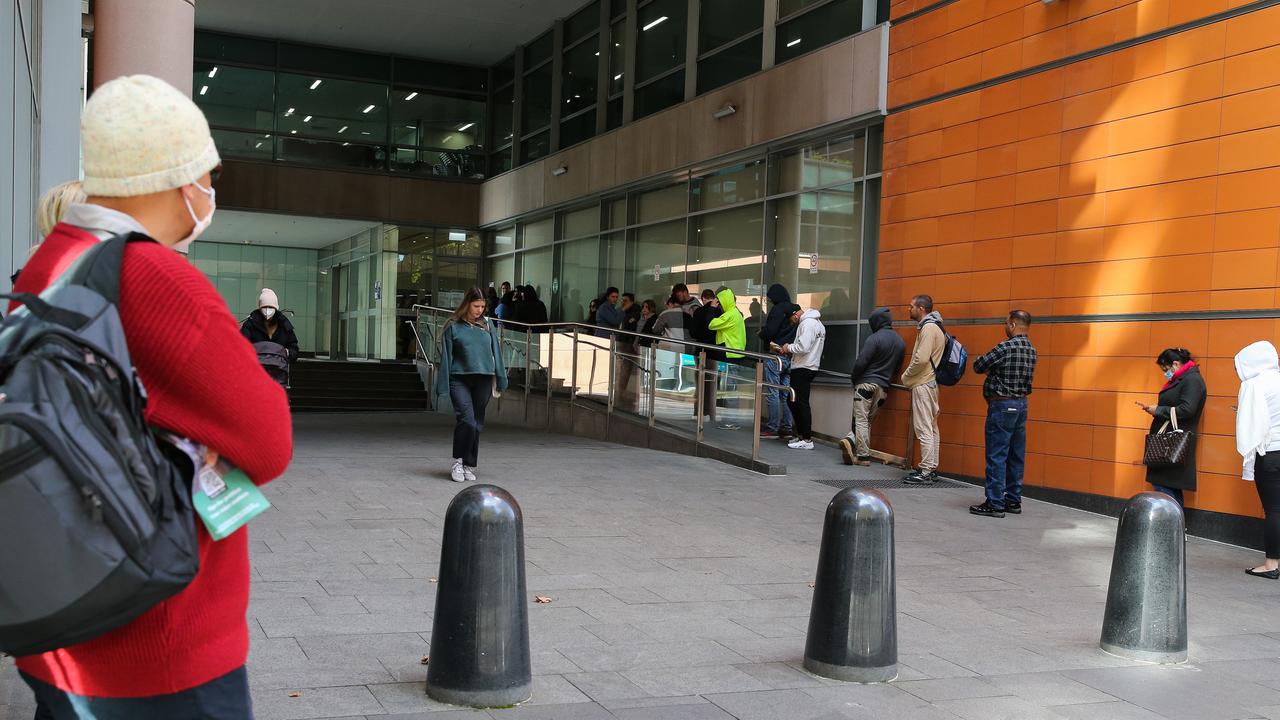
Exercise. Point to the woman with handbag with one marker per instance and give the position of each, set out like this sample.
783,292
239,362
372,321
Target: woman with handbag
1171,465
1258,441
471,371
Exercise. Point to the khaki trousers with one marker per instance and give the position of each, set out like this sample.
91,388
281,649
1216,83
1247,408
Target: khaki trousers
867,399
924,419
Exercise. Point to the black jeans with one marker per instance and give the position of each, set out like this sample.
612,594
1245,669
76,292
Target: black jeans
801,413
470,395
224,698
1266,474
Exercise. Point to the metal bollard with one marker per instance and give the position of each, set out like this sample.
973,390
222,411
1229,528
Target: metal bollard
1146,615
853,627
480,634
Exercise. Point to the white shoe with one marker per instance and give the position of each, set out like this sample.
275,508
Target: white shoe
459,473
799,444
470,472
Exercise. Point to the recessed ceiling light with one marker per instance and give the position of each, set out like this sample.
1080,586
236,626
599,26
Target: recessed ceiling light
465,127
204,89
288,112
368,110
411,96
362,132
214,71
342,129
306,119
794,42
315,84
255,147
618,76
654,24
412,127
293,132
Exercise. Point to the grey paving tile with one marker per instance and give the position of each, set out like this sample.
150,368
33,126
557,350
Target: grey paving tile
575,711
1106,711
674,712
1048,689
775,704
555,690
780,676
700,680
314,703
602,686
997,708
1180,692
636,656
348,625
951,688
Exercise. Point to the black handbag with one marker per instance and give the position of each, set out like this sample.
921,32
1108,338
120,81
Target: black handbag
1168,448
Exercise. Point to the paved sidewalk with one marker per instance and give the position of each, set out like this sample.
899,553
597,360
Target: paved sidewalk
680,591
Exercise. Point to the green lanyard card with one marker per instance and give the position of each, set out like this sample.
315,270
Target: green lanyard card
226,501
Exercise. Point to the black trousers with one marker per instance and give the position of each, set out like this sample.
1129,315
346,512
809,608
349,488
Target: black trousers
470,395
1266,473
801,412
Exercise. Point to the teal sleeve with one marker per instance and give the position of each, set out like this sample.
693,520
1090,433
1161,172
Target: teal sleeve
446,361
500,369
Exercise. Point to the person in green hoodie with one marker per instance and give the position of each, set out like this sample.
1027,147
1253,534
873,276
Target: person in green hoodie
471,371
730,328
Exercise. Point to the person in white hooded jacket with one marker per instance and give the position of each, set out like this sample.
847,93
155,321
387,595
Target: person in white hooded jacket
806,355
1258,441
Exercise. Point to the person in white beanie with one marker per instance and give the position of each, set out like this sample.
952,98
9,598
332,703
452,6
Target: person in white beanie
1258,442
268,324
149,167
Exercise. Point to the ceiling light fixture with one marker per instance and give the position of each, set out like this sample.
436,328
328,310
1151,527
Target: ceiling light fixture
725,111
560,170
306,119
793,43
204,89
466,127
255,147
213,72
654,24
411,96
293,132
342,129
368,110
315,84
618,76
288,112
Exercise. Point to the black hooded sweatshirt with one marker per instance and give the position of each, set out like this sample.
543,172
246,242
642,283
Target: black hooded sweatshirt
254,329
531,310
777,324
882,354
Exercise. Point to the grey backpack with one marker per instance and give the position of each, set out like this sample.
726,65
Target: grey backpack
96,519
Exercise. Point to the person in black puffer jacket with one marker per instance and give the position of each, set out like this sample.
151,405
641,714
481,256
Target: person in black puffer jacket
268,324
777,330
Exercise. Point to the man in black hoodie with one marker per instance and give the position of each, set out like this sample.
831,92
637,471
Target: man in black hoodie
777,330
872,372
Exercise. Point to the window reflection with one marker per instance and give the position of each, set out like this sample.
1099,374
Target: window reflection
436,121
334,109
235,97
661,28
819,249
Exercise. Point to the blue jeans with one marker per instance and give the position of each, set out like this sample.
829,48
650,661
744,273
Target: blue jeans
224,698
1006,450
1175,493
778,413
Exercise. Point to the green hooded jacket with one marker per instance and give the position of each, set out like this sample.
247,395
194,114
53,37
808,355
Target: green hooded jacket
730,327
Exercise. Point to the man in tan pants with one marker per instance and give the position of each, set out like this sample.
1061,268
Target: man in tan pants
920,379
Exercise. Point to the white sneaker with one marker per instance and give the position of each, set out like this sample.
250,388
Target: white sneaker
470,472
799,444
459,473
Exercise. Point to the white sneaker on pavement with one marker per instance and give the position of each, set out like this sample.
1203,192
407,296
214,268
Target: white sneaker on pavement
799,444
459,473
470,472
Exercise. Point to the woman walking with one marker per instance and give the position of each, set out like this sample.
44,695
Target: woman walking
471,372
1258,441
1184,394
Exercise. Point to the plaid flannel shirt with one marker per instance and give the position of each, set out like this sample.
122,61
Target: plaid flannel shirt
1009,368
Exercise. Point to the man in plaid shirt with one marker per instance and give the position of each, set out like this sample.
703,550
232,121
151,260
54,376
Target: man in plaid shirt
1009,368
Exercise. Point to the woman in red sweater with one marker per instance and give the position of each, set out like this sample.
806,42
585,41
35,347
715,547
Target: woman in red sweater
148,157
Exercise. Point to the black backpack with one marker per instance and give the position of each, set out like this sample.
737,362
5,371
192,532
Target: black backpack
96,519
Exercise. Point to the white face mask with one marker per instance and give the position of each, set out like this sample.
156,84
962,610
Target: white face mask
268,312
201,224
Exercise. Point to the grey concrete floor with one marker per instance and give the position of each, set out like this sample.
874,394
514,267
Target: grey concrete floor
680,589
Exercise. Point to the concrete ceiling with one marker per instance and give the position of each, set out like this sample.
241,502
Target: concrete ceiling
476,32
291,231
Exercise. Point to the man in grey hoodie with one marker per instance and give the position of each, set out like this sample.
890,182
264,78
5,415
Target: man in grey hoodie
873,371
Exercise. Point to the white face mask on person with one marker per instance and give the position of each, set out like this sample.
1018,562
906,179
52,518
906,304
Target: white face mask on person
184,245
268,312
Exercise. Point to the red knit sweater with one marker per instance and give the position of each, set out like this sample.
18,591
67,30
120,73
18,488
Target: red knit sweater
203,382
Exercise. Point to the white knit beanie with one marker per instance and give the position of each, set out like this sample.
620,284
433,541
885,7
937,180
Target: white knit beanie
267,298
140,135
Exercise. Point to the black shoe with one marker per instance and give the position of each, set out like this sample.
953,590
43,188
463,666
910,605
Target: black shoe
1268,574
1013,508
986,510
921,478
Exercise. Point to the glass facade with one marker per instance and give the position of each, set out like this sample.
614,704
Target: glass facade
804,216
276,101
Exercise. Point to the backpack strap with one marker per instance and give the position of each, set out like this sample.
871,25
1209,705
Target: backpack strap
101,266
49,313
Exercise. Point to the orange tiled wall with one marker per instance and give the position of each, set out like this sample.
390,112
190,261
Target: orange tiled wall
1143,180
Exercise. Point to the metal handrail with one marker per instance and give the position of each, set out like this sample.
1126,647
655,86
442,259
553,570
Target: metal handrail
615,331
418,338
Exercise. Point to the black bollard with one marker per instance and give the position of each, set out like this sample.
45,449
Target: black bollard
1146,615
853,628
480,633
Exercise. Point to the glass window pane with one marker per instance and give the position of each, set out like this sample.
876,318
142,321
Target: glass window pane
579,223
657,260
578,128
727,250
331,61
441,75
336,109
504,240
215,46
538,146
661,28
721,21
537,269
789,7
617,7
822,26
235,97
538,50
503,113
617,56
330,153
579,278
247,145
500,161
582,23
730,186
505,71
442,163
821,164
875,148
437,121
729,65
618,213
661,204
578,83
538,233
502,270
615,113
537,99
828,225
659,95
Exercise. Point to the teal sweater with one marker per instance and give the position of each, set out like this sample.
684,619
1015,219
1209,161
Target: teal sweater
469,350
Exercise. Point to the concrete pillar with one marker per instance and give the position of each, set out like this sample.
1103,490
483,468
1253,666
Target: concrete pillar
152,37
